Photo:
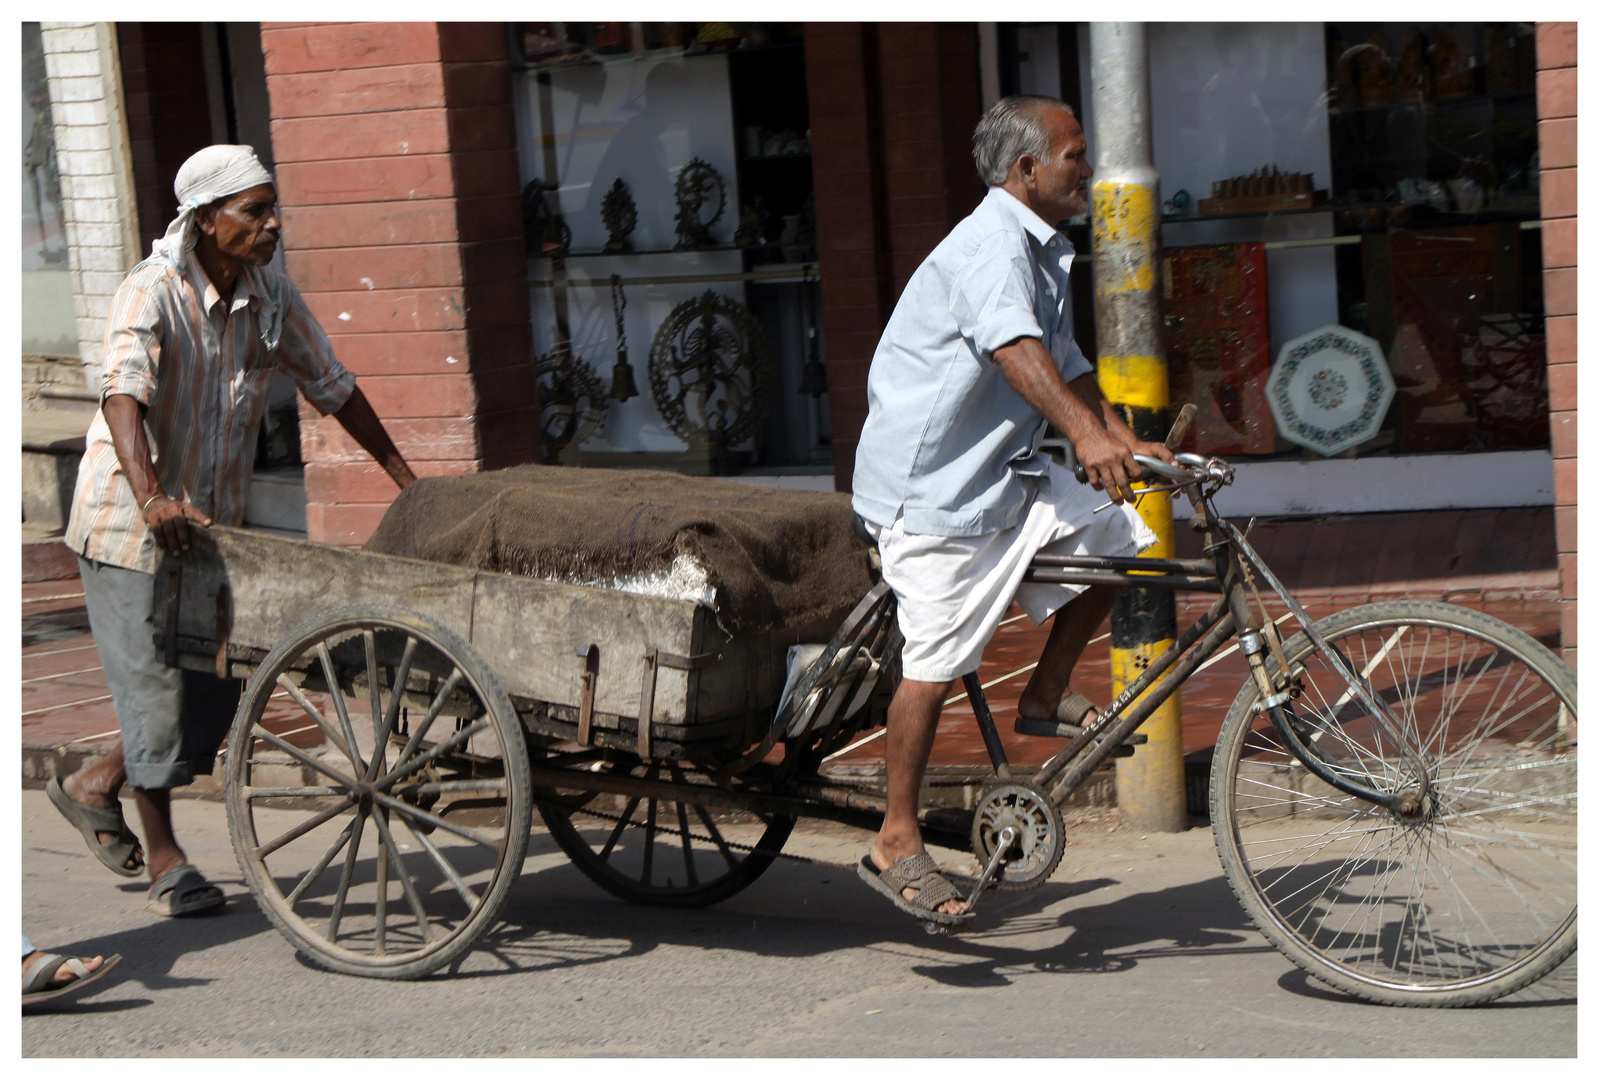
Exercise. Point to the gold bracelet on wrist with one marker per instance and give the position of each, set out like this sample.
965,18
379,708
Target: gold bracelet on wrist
146,507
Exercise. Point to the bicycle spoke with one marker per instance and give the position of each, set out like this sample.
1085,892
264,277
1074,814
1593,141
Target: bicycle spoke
1475,893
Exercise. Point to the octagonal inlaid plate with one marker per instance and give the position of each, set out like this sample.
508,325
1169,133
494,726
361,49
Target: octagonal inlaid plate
1329,389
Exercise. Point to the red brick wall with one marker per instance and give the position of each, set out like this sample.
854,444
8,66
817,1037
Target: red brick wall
169,113
892,107
397,176
1557,155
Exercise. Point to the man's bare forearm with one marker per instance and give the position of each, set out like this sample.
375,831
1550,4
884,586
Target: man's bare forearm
125,417
167,516
1086,387
1030,368
356,417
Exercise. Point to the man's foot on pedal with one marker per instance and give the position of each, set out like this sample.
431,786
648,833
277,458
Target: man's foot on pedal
884,862
1071,716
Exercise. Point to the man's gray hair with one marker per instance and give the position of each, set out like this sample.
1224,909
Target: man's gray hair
1011,127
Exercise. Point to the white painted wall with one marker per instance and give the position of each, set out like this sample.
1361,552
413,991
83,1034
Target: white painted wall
641,120
96,179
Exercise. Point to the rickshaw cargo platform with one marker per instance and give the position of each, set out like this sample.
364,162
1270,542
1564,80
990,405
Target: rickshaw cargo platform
237,593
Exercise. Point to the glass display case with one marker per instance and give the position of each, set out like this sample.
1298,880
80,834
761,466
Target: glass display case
662,162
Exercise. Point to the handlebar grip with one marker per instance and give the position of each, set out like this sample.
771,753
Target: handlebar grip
1072,464
1180,426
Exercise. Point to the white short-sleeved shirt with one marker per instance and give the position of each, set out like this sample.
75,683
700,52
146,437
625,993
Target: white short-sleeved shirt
948,442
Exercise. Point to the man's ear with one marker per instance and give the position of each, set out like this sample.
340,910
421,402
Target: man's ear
205,218
1026,168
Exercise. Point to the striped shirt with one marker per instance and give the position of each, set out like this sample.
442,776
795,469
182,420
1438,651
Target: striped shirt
199,366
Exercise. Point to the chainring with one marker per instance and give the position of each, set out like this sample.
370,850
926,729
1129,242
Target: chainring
1040,830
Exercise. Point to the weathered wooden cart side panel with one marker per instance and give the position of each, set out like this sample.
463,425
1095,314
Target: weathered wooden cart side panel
277,583
531,633
723,689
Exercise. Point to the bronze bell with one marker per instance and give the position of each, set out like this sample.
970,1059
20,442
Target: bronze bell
622,384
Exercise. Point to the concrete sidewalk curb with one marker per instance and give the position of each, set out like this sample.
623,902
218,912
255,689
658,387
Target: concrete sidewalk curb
41,764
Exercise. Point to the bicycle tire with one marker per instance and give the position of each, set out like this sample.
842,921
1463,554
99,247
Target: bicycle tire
1472,899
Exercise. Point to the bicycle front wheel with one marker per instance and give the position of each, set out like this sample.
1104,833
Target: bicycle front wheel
1470,899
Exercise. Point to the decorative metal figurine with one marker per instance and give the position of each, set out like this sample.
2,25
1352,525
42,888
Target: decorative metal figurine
749,228
535,214
698,186
622,384
710,375
571,401
557,235
620,216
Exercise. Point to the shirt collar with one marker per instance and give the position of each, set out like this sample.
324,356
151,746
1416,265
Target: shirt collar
1041,230
244,291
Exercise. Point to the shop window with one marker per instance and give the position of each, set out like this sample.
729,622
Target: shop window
48,320
1434,135
1378,176
662,162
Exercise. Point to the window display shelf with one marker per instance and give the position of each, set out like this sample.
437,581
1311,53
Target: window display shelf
775,274
635,251
1512,206
1463,100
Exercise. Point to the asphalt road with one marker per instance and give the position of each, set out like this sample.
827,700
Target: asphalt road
1136,948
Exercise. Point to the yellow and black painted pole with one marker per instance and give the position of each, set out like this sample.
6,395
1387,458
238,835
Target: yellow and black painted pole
1150,787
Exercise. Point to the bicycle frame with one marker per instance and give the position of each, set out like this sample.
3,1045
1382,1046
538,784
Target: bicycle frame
1225,573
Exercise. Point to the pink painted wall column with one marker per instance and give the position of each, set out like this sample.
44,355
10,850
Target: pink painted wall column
397,177
1557,186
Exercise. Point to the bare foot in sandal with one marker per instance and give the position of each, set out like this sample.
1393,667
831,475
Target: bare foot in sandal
884,858
1073,709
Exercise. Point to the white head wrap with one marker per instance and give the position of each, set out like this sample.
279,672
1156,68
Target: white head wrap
211,174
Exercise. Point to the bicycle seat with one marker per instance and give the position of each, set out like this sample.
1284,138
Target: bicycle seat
858,523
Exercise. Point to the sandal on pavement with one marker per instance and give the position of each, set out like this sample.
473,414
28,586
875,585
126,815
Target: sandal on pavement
183,890
917,872
90,821
37,975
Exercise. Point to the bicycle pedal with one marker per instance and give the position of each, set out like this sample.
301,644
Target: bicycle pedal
1032,725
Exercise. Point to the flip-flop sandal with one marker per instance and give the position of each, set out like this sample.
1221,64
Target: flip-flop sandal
173,894
90,821
917,872
36,976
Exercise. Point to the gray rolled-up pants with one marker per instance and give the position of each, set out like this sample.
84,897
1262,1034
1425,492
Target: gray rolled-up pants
172,720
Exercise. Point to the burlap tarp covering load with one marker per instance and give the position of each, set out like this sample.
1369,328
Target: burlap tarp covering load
776,557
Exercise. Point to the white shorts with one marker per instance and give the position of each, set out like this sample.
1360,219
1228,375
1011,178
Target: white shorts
952,591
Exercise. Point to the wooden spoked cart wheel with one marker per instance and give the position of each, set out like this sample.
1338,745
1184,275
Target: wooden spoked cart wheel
666,852
378,792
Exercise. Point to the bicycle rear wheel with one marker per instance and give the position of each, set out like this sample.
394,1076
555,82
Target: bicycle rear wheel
1471,899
